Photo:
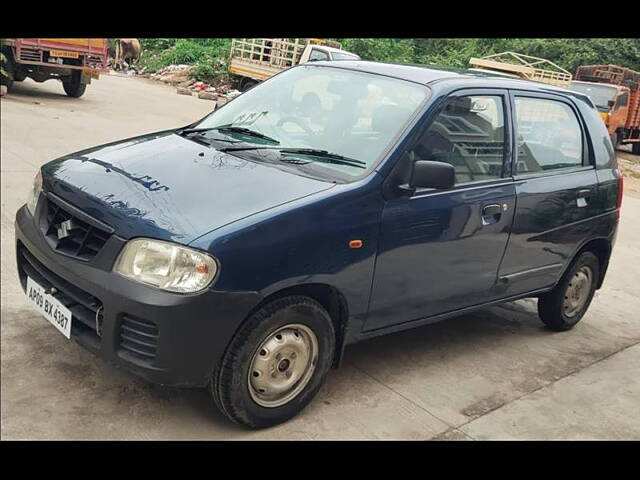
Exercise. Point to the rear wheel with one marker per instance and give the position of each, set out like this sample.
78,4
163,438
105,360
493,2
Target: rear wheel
615,140
9,67
564,306
247,84
74,88
276,363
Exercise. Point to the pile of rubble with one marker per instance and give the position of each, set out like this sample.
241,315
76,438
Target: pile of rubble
220,94
174,74
180,76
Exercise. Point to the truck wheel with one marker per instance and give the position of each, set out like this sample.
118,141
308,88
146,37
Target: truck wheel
563,307
635,148
74,88
275,364
247,85
615,141
10,68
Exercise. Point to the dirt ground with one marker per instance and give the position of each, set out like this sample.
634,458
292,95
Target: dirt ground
493,374
630,165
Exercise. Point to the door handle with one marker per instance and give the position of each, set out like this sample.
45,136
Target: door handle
491,214
489,210
587,192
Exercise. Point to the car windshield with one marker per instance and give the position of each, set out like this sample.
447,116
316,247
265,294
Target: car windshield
352,114
600,94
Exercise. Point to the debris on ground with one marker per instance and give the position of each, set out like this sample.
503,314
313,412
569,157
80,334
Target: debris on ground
220,90
630,166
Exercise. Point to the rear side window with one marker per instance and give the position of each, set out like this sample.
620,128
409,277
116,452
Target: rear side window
468,134
549,136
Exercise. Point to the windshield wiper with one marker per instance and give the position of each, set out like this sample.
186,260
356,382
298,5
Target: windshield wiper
245,131
232,129
201,139
324,155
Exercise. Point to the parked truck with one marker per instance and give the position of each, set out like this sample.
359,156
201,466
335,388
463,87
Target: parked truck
517,65
615,91
255,59
73,61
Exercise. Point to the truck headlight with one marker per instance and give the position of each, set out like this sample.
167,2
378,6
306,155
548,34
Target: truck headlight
166,266
34,193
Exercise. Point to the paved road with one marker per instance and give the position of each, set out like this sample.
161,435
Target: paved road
496,374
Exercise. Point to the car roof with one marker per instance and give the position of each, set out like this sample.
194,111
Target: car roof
429,74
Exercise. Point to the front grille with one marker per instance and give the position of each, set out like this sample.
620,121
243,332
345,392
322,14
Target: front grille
139,337
30,54
83,241
94,61
83,305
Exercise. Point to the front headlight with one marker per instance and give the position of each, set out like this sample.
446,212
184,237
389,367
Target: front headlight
166,266
34,193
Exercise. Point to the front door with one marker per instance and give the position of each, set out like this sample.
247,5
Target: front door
439,251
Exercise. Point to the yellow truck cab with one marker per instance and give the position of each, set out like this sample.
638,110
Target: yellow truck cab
615,91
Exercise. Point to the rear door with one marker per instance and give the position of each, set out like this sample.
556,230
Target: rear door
556,188
440,251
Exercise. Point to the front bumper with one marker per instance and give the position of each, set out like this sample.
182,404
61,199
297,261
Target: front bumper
166,338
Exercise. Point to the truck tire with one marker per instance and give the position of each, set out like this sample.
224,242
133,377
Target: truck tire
10,68
247,84
74,88
615,141
275,363
635,148
564,306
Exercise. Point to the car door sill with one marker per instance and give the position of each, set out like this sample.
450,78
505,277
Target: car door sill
365,334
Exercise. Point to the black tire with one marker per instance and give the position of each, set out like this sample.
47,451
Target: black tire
10,68
551,305
615,141
230,384
635,148
247,84
74,88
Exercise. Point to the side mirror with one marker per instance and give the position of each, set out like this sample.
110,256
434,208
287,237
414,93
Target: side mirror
611,103
428,174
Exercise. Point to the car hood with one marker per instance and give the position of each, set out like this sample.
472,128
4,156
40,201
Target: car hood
169,187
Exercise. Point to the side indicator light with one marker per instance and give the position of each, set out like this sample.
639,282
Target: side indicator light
355,243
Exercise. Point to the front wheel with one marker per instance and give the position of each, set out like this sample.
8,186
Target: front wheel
276,363
564,306
635,148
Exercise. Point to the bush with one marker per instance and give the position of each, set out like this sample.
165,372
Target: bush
211,54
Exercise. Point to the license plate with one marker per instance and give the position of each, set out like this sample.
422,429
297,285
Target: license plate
91,73
49,307
63,54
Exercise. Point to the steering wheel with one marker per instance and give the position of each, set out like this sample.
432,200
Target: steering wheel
301,122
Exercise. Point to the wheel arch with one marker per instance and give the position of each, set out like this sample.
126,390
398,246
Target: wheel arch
601,248
331,299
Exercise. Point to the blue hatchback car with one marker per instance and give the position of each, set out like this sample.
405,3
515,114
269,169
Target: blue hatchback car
329,204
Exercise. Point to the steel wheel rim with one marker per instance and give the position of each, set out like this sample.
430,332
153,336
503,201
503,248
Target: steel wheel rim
282,365
578,290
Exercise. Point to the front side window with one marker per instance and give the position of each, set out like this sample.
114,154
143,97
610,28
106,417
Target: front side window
623,100
549,136
468,134
352,114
